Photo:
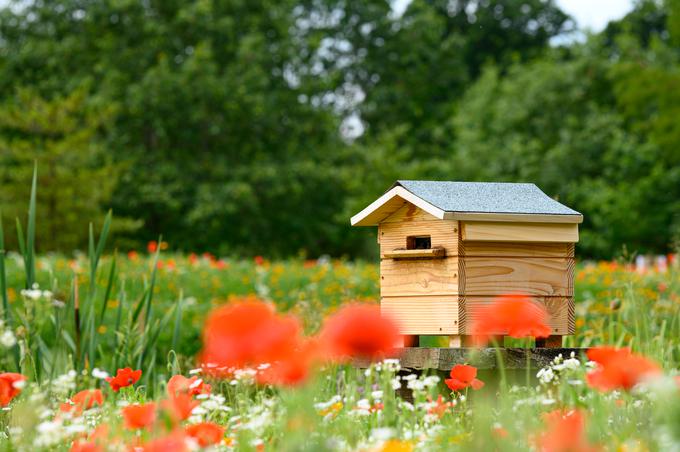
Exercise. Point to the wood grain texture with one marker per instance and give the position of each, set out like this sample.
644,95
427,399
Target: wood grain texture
510,249
513,217
560,313
442,234
521,275
423,315
409,212
429,253
419,277
519,232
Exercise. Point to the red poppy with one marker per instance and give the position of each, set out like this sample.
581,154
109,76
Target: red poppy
219,264
248,333
439,407
259,260
292,370
565,432
499,432
514,315
463,377
139,416
180,406
124,377
193,258
174,442
10,387
181,384
83,400
618,368
205,433
152,246
86,446
359,331
132,255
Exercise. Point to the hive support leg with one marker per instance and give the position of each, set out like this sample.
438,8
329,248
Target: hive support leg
410,340
549,342
455,341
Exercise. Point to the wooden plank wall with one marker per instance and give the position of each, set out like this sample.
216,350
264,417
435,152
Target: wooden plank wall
424,294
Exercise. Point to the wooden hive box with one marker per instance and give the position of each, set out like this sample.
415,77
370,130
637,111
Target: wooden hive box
449,247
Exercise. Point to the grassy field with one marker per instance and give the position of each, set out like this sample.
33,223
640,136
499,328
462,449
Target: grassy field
146,311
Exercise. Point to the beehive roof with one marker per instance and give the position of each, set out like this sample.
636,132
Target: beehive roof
470,200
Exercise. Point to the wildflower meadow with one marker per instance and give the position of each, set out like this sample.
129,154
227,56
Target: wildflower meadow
151,350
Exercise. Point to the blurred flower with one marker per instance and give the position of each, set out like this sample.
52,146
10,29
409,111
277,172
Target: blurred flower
152,246
124,377
359,331
259,260
174,442
565,432
139,416
396,445
10,386
205,433
248,333
83,400
179,384
180,406
294,369
133,255
515,315
462,377
85,446
618,368
438,407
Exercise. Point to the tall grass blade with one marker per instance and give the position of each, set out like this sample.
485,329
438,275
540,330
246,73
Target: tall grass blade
6,314
20,240
103,235
119,316
6,310
109,286
140,305
152,283
30,231
178,322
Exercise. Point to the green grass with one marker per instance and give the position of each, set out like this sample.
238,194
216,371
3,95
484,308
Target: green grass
65,316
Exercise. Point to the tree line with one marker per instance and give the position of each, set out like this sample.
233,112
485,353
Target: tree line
260,127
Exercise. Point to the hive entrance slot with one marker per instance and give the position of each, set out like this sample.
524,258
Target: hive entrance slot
418,242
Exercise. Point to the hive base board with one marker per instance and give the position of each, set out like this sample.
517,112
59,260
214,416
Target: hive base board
482,358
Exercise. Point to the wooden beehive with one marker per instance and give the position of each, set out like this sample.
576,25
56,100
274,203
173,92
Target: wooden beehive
448,247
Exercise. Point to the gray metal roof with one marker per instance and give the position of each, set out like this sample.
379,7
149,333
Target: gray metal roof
486,197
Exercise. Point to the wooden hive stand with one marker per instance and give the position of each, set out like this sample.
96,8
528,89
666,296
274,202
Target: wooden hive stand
447,248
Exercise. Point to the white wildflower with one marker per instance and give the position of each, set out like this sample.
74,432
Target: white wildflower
100,374
431,381
382,434
545,375
7,339
363,404
377,395
396,384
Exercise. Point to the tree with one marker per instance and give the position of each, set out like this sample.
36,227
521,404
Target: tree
76,176
557,122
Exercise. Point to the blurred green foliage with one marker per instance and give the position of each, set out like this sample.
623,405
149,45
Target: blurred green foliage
226,125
